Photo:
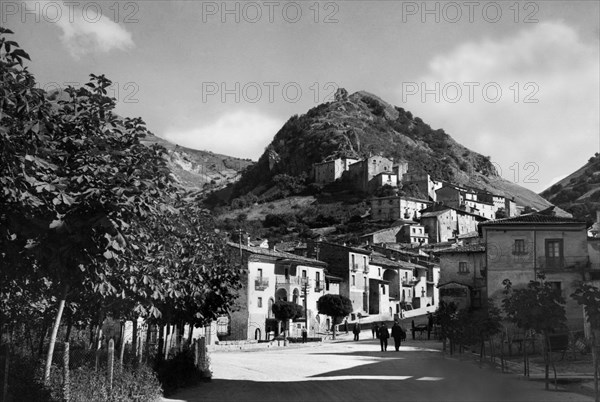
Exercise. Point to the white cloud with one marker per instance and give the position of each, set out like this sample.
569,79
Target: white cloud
558,133
88,30
240,133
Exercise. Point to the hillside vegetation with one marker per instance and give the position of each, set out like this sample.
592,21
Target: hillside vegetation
579,192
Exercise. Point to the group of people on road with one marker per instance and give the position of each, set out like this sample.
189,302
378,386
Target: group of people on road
382,333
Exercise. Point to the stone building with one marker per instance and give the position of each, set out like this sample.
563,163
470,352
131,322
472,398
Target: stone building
331,170
521,247
397,207
462,275
268,276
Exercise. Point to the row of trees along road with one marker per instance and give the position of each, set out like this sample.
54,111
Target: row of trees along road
537,308
92,223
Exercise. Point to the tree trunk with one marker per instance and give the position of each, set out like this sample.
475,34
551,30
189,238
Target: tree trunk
190,334
546,365
595,363
61,307
42,338
333,326
161,341
69,326
134,338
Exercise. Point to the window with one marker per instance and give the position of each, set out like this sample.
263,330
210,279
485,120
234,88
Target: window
260,273
326,284
260,302
304,273
519,246
422,292
379,271
554,253
462,267
318,276
353,280
382,289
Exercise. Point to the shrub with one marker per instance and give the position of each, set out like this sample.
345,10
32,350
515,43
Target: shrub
179,372
89,385
24,384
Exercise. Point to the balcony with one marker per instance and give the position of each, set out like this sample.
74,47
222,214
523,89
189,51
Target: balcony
354,267
409,281
366,269
574,264
261,283
319,286
291,280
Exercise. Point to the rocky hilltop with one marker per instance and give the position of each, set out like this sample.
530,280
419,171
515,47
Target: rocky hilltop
360,124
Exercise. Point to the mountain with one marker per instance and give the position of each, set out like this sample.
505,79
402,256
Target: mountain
359,124
579,192
200,170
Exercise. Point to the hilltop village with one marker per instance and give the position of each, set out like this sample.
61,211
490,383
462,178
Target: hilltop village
456,244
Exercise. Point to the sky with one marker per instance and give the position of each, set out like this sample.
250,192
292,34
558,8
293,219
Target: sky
516,81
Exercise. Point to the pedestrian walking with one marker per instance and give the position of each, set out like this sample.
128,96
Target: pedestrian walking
356,331
375,330
397,333
304,335
384,334
346,325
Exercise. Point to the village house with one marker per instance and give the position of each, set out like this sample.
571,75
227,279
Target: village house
520,248
423,182
362,173
387,235
383,179
462,275
352,265
397,207
412,234
331,170
269,276
442,222
418,277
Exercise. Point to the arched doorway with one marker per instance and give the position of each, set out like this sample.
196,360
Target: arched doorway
270,311
257,334
393,278
281,294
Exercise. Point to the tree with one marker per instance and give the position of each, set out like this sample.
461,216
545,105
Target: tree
539,308
588,296
90,219
285,311
334,306
446,316
501,213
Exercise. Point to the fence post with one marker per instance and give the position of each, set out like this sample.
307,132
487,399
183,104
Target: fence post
111,360
6,350
197,352
66,378
202,347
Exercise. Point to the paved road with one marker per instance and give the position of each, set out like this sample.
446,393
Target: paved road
359,371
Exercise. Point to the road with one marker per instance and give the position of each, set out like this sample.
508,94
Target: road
359,371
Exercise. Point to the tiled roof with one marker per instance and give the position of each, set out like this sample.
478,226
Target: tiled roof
542,217
277,254
469,248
